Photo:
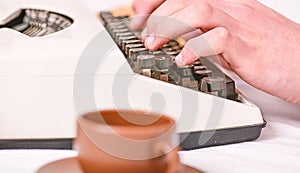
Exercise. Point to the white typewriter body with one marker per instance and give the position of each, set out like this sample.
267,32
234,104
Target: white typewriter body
37,83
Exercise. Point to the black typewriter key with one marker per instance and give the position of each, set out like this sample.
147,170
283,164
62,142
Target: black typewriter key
146,64
185,75
131,46
197,63
200,67
172,52
173,69
125,38
213,85
173,43
116,30
134,52
163,64
124,43
166,45
156,52
199,74
124,34
176,48
114,25
186,71
119,32
230,89
167,48
132,57
105,14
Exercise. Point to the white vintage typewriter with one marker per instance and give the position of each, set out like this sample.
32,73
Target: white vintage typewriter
58,61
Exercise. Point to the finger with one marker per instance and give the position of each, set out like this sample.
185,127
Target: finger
168,8
201,15
142,8
211,43
138,21
192,34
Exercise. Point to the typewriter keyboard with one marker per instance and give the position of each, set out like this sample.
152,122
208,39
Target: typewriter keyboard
201,76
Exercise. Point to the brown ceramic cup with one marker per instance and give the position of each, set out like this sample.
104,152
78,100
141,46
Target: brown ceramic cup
123,141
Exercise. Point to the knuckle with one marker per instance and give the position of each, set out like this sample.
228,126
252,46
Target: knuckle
202,10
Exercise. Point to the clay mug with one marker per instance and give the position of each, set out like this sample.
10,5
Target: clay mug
126,141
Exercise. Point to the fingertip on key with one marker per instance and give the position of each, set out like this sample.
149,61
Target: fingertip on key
179,61
150,42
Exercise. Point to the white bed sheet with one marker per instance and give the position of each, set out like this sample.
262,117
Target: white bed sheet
277,149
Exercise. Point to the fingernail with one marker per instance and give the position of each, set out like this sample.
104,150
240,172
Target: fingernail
149,41
179,61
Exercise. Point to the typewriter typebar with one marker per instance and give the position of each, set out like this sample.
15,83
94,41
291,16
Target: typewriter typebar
36,22
202,76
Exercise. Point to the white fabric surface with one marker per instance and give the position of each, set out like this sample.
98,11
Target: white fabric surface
277,150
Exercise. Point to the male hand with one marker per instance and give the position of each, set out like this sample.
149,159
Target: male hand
257,43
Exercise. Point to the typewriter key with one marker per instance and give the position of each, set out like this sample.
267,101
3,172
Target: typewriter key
165,49
126,38
230,89
200,67
131,40
119,31
134,52
197,63
146,64
176,48
186,71
194,84
132,58
146,61
131,46
173,43
163,62
199,74
124,34
185,74
213,85
156,52
172,52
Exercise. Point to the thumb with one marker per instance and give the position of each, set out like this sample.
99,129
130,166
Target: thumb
210,43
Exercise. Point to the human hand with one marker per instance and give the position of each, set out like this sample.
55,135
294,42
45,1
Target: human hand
142,9
257,43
